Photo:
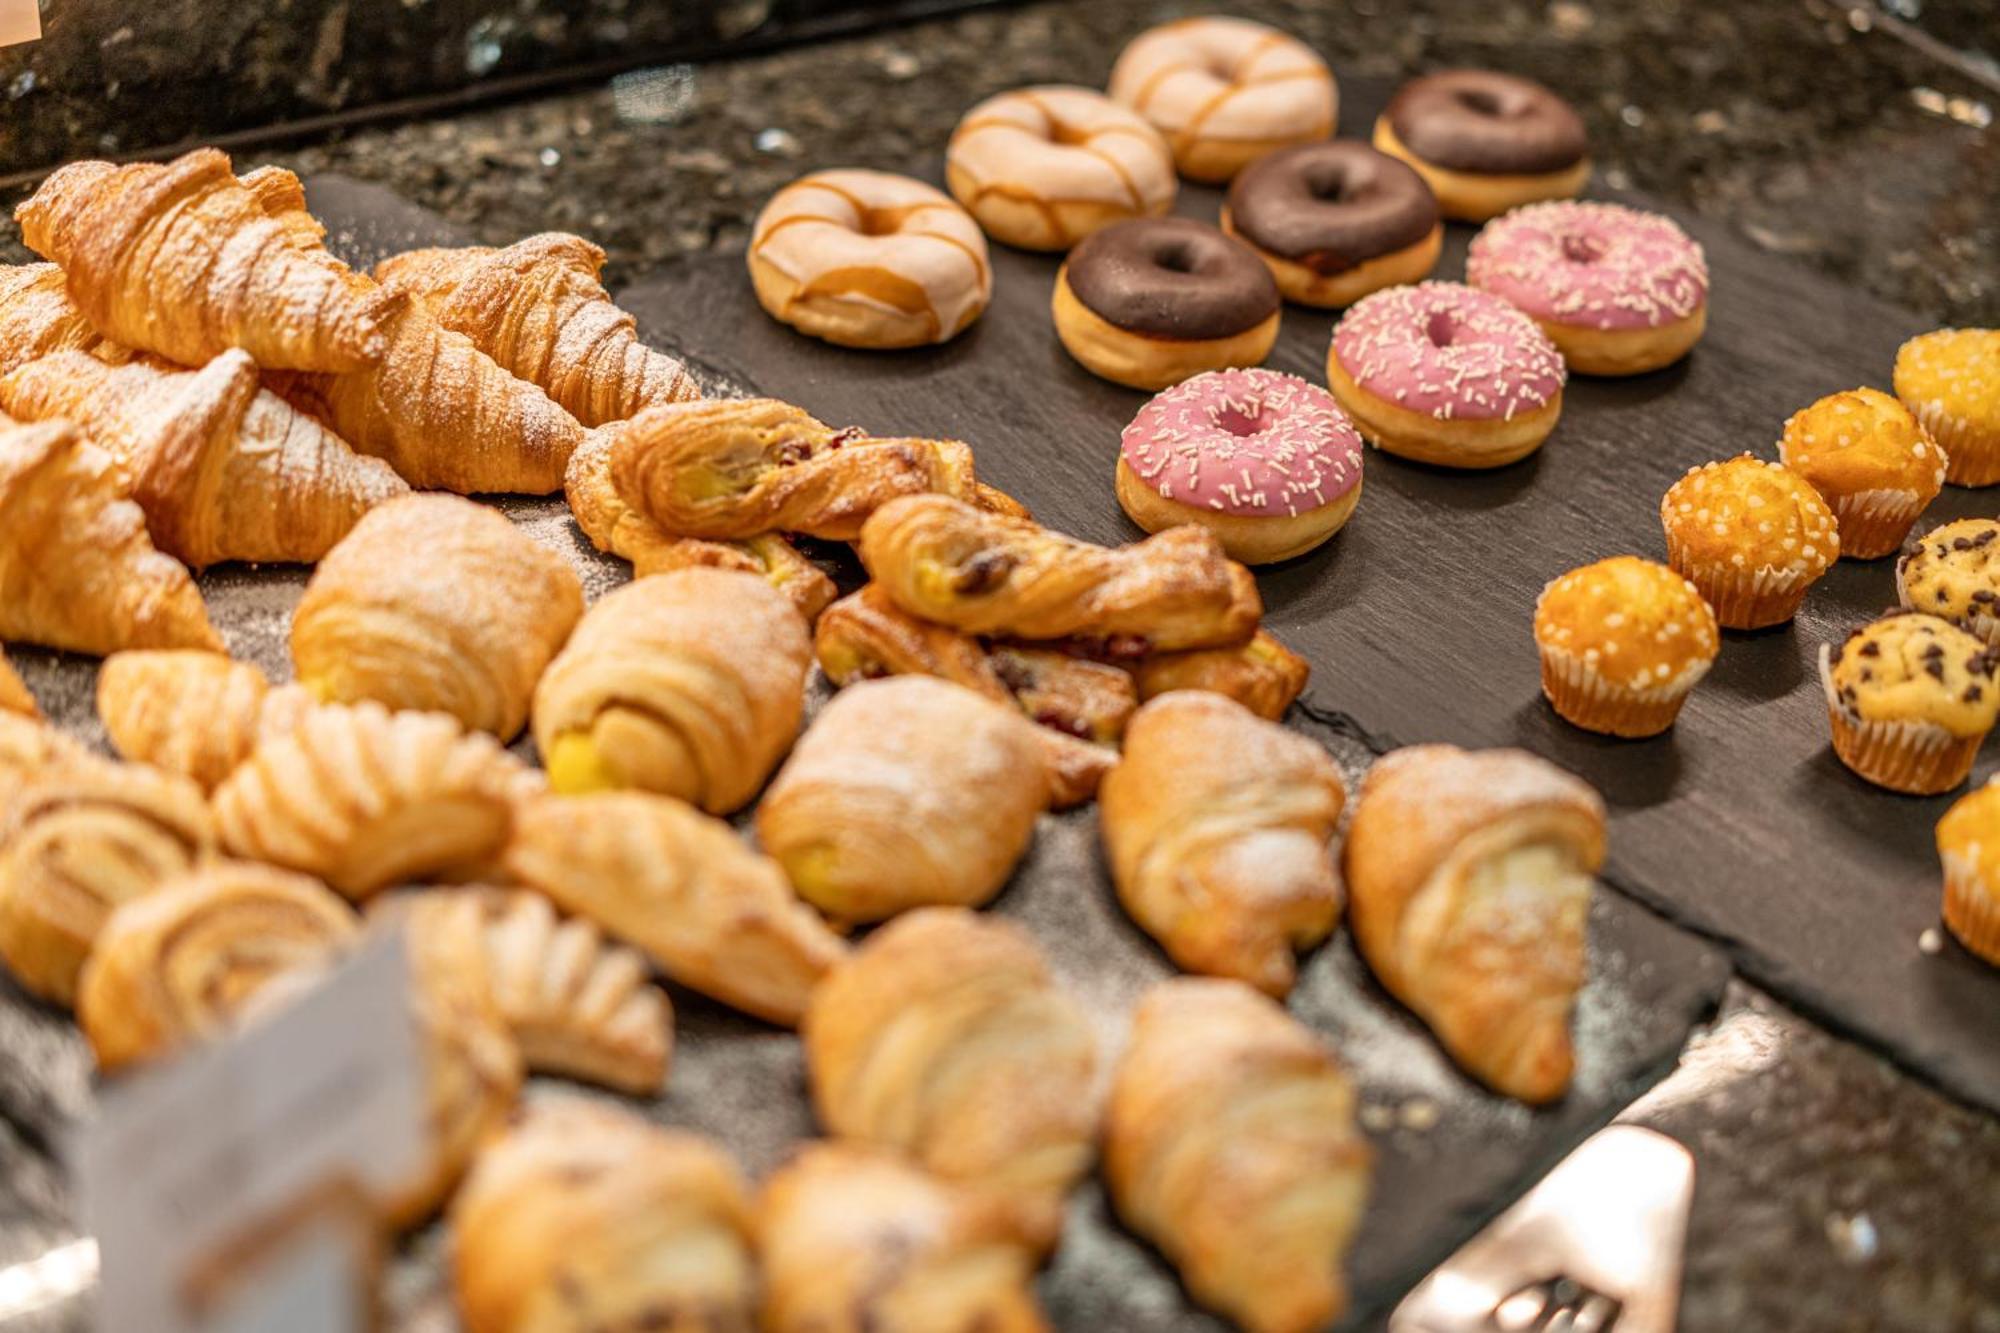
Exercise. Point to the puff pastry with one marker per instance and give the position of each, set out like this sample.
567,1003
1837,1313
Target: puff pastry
196,714
1230,1143
436,603
587,1219
38,319
1263,675
1469,874
855,1240
14,696
984,573
683,888
29,748
905,792
945,1037
689,684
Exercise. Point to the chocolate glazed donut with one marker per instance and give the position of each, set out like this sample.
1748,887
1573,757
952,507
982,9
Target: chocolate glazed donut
1331,206
1171,278
1480,121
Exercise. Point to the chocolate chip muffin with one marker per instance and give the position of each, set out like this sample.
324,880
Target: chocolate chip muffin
1954,573
1910,697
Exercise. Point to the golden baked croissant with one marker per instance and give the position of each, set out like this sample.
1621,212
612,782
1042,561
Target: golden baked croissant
77,570
689,684
1263,675
1216,824
945,1037
38,319
180,260
83,835
983,573
14,696
364,798
177,966
586,1219
196,714
436,603
682,887
223,469
855,1240
1230,1143
905,792
1469,879
538,309
281,196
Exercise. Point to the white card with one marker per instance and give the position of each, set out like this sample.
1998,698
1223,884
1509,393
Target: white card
20,21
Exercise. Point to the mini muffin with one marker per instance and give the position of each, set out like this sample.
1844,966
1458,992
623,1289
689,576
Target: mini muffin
1873,463
1951,380
1622,642
1752,537
1968,843
1910,698
1954,573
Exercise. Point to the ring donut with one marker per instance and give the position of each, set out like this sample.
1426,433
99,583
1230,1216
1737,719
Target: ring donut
1335,221
1485,141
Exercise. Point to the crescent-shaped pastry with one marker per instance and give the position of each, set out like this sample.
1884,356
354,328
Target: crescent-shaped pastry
196,714
37,319
14,696
1263,675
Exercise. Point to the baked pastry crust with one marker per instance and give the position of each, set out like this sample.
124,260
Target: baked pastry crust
1263,675
38,319
192,713
14,696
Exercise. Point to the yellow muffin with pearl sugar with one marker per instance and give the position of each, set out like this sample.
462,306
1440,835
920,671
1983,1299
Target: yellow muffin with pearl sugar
1951,380
1873,463
1910,697
1751,536
1968,843
1623,641
1954,573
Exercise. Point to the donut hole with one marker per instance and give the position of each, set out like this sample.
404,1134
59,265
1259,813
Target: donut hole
1486,102
1441,328
1067,134
876,222
1176,258
1239,418
1581,249
1328,185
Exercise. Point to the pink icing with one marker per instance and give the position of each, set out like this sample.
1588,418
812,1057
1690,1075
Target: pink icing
1594,266
1449,351
1245,442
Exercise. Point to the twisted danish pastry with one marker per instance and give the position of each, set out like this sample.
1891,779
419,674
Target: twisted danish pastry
1263,675
38,319
196,714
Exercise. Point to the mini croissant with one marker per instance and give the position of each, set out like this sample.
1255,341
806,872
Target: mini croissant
1263,675
196,714
38,319
14,696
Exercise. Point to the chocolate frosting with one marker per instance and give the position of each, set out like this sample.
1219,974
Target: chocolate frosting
1481,121
1331,206
1172,278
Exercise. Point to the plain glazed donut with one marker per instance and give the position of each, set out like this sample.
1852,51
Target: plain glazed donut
1485,141
869,259
1446,374
1042,168
1226,91
1335,221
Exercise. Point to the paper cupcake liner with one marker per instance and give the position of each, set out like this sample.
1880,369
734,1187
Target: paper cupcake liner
1584,698
1918,758
1971,456
1742,598
1971,910
1982,625
1874,523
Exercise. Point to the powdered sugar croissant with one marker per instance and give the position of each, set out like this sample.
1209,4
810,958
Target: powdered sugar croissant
38,319
196,714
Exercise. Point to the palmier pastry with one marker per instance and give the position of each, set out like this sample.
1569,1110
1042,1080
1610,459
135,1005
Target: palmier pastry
1263,675
192,713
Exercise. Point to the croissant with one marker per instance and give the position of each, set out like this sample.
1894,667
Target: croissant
364,798
14,696
281,196
176,967
1216,825
1230,1143
38,319
945,1038
81,837
905,792
77,570
587,1219
1469,875
856,1241
196,714
223,469
180,260
436,603
983,573
682,887
689,684
1263,675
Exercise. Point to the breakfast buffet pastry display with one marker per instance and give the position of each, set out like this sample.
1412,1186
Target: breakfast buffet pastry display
1910,698
1752,536
1623,642
1485,141
1873,463
1951,379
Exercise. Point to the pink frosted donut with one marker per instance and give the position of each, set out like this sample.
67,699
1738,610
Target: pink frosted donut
1618,290
1447,374
1265,460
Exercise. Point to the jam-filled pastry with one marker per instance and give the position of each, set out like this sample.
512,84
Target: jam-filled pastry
904,793
1230,1143
37,319
984,573
196,714
1469,876
14,696
1217,825
856,1240
587,1219
946,1038
684,889
690,684
1263,675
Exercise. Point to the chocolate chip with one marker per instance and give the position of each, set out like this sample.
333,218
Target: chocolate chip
1973,694
1935,668
1870,649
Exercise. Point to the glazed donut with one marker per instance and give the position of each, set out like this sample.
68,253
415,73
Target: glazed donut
1042,168
1486,141
1335,221
1150,302
1264,460
1225,92
1446,374
869,259
1618,291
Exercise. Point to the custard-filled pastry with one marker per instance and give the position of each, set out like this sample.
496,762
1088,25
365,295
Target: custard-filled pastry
224,469
689,684
683,888
180,260
38,319
77,570
1469,877
587,1219
856,1240
984,573
176,967
364,798
1263,675
14,696
946,1038
439,604
196,714
1217,824
1230,1143
82,836
904,793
